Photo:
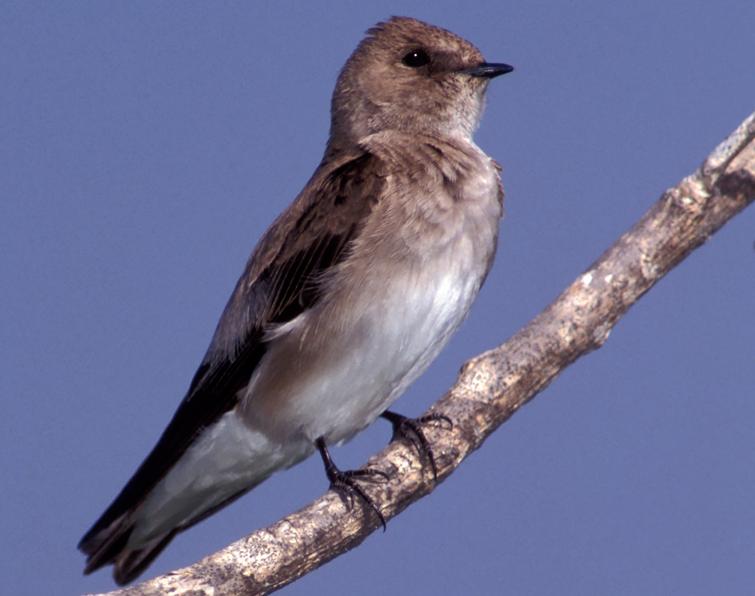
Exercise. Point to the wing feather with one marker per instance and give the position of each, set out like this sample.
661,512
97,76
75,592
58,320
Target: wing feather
280,282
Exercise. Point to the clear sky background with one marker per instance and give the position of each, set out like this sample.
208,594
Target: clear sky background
144,147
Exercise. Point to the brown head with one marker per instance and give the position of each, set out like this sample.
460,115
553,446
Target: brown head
412,77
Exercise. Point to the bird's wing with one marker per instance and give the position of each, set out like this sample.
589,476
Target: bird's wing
279,283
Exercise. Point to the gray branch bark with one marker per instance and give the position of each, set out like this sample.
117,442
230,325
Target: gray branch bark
491,386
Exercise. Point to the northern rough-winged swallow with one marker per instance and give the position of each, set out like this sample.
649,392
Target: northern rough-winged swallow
347,298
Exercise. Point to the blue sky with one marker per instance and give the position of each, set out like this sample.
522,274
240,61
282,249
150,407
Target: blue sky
146,146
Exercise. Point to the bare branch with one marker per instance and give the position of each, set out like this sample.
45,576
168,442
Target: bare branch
492,386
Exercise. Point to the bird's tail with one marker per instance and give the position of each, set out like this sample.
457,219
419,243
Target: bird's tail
109,545
225,462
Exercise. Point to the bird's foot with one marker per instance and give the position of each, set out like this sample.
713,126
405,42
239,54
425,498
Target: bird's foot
345,482
410,429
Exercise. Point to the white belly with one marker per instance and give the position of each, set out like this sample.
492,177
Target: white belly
330,373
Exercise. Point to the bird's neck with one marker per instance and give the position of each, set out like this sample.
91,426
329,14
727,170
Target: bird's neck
342,144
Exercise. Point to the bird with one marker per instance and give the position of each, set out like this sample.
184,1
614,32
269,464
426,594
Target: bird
346,299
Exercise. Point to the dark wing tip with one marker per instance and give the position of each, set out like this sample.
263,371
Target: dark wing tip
130,564
110,546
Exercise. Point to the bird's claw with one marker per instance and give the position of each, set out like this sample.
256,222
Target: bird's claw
410,429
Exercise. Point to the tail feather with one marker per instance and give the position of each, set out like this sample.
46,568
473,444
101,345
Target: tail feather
102,544
130,563
110,546
146,515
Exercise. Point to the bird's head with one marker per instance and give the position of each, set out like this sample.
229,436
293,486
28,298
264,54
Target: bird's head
412,77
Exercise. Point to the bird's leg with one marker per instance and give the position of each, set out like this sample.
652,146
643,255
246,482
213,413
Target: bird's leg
344,483
411,430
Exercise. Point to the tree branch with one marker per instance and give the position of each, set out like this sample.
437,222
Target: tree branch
491,386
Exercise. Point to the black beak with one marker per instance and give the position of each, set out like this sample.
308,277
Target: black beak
488,70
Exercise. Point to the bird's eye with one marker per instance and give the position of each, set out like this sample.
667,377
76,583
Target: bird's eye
416,58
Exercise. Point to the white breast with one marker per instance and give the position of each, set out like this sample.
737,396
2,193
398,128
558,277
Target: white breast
334,369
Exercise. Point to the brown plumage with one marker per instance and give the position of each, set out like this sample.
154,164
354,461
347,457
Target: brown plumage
346,299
